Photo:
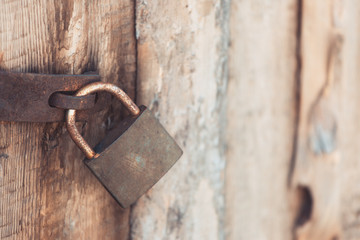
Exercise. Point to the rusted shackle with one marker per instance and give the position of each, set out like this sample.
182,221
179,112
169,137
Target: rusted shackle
89,89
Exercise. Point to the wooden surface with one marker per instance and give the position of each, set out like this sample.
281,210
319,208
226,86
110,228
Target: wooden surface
293,132
271,140
328,157
261,118
182,49
46,192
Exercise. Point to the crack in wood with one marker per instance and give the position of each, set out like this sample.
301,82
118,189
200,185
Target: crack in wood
297,90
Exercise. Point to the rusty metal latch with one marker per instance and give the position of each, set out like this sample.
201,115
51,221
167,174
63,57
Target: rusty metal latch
128,161
29,97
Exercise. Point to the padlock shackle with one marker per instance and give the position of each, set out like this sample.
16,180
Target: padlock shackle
89,89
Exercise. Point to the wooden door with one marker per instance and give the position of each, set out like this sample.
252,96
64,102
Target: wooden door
45,190
261,95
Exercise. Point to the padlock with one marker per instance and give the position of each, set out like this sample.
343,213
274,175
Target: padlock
132,157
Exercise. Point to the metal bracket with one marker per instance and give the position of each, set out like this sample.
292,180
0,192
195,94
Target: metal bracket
29,97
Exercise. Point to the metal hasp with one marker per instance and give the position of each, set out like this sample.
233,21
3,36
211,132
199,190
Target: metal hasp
27,97
133,157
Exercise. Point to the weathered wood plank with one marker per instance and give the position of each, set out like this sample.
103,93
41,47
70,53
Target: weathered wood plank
45,190
261,118
182,48
327,162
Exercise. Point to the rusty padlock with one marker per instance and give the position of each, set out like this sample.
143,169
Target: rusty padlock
132,157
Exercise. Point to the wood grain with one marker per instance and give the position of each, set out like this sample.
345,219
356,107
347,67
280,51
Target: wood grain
292,142
261,118
182,62
271,144
327,160
45,190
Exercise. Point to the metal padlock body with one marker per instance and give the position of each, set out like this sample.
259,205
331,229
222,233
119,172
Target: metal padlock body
133,157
